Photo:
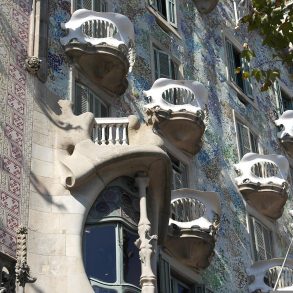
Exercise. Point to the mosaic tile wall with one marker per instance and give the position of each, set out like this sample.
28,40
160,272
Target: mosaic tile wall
15,121
201,53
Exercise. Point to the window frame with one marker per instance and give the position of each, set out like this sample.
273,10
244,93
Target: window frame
168,266
106,97
120,284
243,96
168,18
252,132
162,21
269,224
108,5
278,88
90,95
157,46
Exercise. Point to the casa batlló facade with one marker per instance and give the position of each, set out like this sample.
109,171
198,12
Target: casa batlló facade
133,158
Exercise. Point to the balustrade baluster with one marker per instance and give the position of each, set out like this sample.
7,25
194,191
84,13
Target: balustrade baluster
103,139
124,134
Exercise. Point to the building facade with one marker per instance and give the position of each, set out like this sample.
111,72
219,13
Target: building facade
134,158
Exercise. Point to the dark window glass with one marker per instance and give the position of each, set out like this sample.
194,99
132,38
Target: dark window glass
162,8
131,261
237,60
100,253
287,101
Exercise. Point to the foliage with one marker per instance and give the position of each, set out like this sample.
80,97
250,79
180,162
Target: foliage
273,20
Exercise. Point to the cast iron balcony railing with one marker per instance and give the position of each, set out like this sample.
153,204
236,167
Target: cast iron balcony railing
111,131
102,47
262,180
176,110
264,275
285,123
194,221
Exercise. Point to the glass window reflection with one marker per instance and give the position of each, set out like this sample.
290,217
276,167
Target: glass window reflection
100,252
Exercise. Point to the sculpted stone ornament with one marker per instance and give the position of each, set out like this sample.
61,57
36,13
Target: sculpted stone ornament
32,64
145,243
22,269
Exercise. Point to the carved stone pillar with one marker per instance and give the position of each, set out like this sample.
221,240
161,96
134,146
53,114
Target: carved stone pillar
148,279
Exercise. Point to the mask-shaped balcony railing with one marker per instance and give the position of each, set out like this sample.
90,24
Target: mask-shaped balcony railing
193,224
102,47
111,131
262,180
205,6
176,110
264,275
285,123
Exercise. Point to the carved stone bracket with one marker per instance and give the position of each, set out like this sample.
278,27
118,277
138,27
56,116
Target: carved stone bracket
22,269
32,64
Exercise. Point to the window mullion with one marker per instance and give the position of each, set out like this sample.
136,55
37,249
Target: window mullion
119,253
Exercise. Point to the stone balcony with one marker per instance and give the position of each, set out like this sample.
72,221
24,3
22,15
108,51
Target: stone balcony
193,224
264,275
101,46
176,110
111,131
262,180
285,124
205,6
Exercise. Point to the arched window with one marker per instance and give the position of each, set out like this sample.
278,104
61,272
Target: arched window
111,258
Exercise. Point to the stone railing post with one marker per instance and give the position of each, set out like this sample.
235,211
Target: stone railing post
144,242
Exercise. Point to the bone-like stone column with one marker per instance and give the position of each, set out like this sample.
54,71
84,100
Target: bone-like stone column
148,279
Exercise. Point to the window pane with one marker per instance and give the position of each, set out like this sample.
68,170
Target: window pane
164,60
81,99
131,261
287,101
100,248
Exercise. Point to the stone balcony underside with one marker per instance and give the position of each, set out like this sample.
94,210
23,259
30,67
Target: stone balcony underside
264,275
101,46
263,182
176,111
285,123
192,227
205,6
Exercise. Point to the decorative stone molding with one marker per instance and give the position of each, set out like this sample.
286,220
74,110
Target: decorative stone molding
262,180
194,221
145,241
263,275
22,269
205,6
32,64
176,111
285,123
102,47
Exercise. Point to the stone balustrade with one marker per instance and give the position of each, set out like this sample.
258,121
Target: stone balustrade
111,131
176,108
264,275
285,134
262,180
194,221
101,45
